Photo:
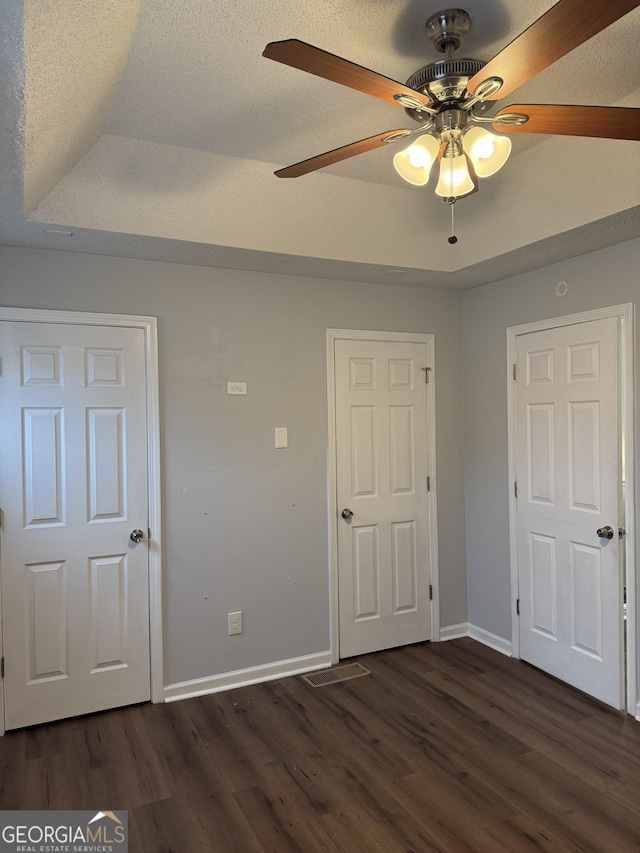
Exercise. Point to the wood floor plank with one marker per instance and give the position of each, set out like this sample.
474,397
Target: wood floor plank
445,747
435,713
619,824
455,822
275,831
163,827
561,741
312,837
457,779
190,754
358,831
619,732
520,720
364,792
628,795
573,704
12,770
138,770
544,790
589,830
527,833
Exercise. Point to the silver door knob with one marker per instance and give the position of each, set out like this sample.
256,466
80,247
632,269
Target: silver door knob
136,535
347,514
605,532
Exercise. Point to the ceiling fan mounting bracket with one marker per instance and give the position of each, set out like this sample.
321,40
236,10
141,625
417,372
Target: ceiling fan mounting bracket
446,29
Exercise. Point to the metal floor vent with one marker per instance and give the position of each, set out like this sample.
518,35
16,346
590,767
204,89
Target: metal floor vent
335,674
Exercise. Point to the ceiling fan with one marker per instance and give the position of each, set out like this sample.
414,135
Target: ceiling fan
449,97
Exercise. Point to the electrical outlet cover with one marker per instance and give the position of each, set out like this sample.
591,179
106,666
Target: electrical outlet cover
234,623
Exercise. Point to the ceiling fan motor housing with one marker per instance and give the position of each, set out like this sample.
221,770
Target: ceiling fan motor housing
443,81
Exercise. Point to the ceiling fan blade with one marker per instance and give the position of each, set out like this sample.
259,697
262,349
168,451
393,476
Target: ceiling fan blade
306,57
564,27
603,122
338,154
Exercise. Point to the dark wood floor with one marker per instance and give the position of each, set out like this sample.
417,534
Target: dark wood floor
447,747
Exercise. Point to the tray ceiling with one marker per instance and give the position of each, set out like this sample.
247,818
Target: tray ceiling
152,129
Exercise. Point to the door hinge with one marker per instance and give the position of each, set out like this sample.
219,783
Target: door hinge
427,371
430,592
514,371
2,667
428,484
148,533
515,489
518,606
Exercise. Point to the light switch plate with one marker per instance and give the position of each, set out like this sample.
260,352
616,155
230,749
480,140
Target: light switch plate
236,387
282,440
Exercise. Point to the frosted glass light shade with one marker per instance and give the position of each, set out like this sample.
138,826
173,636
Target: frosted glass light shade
415,162
488,152
455,179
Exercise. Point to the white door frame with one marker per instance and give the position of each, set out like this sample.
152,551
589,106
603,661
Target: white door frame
432,522
149,327
625,313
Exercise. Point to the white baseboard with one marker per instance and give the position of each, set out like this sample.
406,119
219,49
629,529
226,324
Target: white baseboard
308,663
638,712
453,632
244,677
491,640
466,629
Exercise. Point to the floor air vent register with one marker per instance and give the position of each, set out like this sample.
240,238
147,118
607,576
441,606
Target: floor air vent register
336,674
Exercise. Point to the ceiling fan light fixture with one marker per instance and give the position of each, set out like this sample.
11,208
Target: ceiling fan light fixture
415,162
487,151
455,180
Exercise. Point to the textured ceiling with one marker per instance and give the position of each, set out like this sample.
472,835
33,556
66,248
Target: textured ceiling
152,129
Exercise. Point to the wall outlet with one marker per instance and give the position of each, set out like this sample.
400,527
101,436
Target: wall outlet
235,622
237,388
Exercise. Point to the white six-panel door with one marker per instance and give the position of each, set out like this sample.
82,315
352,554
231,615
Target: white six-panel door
73,485
568,475
381,450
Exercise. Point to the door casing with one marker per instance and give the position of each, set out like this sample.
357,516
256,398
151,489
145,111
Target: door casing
626,316
149,327
400,337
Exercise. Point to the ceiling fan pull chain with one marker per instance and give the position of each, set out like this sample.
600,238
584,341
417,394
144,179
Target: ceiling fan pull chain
451,201
453,239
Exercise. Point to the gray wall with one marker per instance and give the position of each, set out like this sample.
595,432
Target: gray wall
608,277
245,526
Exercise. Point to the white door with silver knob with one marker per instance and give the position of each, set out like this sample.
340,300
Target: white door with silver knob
73,485
381,474
568,491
